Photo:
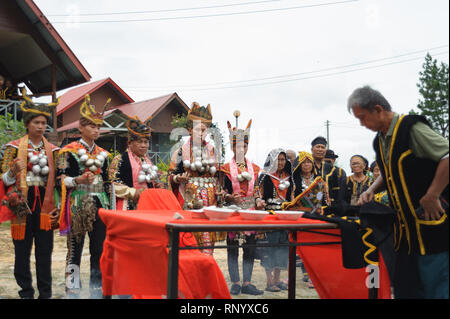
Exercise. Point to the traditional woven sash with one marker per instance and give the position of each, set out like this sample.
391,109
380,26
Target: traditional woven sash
18,224
276,183
136,167
234,181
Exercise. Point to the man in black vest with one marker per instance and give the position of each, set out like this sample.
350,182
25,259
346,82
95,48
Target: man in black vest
132,171
326,170
337,191
414,165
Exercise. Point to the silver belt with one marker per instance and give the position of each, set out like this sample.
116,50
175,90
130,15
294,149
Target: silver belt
94,188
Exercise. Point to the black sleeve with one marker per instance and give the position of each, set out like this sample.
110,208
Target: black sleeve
179,169
298,183
227,186
68,166
105,177
348,191
342,185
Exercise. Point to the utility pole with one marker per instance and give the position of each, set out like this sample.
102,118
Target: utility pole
327,123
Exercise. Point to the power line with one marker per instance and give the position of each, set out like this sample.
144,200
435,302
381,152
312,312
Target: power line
212,15
298,74
320,76
163,10
306,78
297,79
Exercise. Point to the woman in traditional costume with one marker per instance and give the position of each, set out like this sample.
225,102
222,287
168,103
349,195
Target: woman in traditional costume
359,181
276,187
303,172
28,180
83,173
132,172
240,184
193,168
303,177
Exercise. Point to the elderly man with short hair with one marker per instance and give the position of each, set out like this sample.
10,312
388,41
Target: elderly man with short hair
414,165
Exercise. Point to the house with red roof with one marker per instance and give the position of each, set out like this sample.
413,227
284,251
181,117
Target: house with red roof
159,111
68,109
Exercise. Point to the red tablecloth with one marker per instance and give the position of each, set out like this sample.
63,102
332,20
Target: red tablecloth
325,268
135,259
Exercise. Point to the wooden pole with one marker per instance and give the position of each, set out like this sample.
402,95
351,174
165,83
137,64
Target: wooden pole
55,121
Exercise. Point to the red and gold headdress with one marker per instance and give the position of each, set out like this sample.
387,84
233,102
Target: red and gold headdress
200,113
89,114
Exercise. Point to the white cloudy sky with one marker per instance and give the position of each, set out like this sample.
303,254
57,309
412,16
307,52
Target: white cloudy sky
289,65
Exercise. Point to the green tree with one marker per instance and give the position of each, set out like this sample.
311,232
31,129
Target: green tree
11,128
433,88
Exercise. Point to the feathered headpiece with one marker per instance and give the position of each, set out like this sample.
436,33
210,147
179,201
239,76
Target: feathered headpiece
137,129
239,134
200,113
31,110
88,112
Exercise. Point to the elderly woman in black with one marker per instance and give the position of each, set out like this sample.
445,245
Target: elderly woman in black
276,187
359,181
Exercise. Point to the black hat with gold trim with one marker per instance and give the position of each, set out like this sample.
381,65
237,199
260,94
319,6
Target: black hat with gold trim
31,110
137,129
200,113
88,113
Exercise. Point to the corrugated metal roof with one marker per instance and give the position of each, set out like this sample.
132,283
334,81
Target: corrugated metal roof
144,110
75,95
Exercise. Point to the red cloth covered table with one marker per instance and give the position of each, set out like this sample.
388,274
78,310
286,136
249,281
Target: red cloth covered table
135,257
324,265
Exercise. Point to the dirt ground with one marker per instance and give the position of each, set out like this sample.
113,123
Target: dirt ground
9,288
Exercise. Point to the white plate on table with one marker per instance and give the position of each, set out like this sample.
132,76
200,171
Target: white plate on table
252,214
288,214
198,213
217,213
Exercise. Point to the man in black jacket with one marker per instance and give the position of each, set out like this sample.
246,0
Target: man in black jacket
132,172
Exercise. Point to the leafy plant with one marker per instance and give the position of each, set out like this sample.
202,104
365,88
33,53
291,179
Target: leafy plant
11,128
433,86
